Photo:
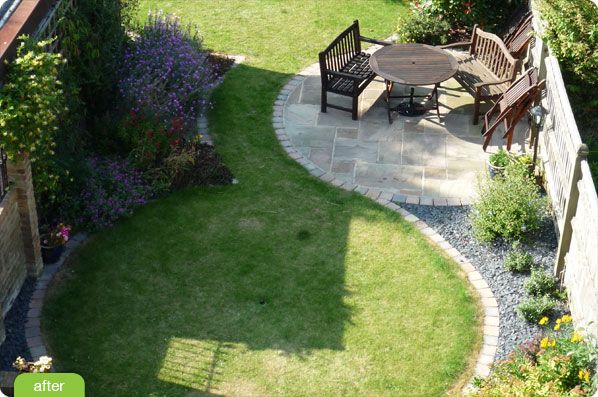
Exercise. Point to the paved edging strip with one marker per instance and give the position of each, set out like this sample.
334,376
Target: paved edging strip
33,334
389,200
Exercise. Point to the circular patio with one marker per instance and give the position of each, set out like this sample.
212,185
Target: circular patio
420,160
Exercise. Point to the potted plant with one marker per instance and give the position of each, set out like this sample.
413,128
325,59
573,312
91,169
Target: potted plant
52,243
497,162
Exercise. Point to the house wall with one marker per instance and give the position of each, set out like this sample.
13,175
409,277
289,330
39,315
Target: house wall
20,252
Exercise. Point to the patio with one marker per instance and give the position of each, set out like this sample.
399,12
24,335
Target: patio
417,159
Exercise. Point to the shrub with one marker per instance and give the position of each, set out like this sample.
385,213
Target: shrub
112,189
518,260
534,308
562,363
572,35
421,27
31,106
540,283
166,72
93,38
508,206
191,164
489,14
500,159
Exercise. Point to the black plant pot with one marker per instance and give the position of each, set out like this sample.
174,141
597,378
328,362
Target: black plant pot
51,254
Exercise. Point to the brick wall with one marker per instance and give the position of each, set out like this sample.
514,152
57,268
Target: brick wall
20,253
12,255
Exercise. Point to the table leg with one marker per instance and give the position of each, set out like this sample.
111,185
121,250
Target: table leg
389,87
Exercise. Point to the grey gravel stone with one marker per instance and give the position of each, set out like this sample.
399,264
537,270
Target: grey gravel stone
453,224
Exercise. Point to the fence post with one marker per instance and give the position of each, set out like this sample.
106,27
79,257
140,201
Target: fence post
20,172
570,209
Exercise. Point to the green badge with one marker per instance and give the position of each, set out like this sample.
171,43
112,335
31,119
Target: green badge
49,384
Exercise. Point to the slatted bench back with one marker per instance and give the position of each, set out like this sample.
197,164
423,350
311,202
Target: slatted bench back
517,40
342,50
489,50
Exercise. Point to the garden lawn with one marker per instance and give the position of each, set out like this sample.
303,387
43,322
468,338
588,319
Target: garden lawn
280,285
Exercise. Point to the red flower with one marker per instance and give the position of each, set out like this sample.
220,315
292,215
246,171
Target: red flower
150,134
175,143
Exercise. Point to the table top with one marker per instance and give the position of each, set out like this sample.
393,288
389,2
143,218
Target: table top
413,64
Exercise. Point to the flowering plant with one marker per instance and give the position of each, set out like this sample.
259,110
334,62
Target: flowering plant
59,235
166,72
112,190
561,363
44,364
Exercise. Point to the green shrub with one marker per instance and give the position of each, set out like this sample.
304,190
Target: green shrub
518,260
534,308
500,159
490,14
562,363
93,37
420,27
31,106
572,35
508,206
540,283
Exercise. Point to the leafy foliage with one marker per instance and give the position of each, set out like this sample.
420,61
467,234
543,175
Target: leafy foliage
489,14
572,35
420,27
500,159
93,38
31,107
508,206
560,364
540,283
532,309
518,260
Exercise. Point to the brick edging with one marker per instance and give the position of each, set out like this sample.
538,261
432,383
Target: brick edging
33,334
386,198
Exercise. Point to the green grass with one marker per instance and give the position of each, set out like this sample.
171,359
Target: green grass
280,285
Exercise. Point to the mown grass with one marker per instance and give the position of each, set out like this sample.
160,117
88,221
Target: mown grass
280,285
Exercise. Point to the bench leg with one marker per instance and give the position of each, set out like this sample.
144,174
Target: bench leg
323,101
355,107
476,111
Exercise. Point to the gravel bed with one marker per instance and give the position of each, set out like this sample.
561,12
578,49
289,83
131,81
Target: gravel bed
15,343
453,224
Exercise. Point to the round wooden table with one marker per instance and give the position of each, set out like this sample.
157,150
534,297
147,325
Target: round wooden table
412,64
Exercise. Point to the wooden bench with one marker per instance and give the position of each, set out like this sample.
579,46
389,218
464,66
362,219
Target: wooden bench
345,69
487,70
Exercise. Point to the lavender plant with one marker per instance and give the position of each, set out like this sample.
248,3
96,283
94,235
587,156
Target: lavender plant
166,71
113,189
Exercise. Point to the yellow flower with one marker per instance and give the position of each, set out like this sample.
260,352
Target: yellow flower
543,321
557,326
544,342
584,375
576,337
566,319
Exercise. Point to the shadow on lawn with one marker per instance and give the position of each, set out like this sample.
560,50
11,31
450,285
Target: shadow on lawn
258,265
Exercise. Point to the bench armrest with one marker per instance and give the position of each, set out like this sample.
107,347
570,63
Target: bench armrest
374,41
459,44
